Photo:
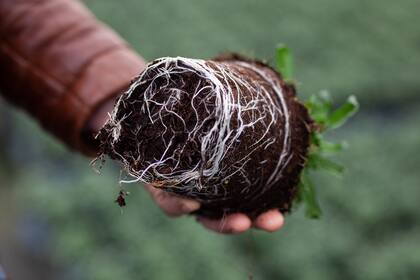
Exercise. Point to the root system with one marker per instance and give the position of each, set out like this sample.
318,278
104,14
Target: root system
228,132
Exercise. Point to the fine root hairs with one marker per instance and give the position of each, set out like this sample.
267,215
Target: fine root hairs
221,84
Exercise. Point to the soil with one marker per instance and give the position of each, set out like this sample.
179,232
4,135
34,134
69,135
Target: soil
159,127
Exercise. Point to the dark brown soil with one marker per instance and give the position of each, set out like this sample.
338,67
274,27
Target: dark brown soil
142,142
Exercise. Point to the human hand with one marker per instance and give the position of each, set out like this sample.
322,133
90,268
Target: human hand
175,206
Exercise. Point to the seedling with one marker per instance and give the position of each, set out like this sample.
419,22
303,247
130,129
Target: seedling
228,132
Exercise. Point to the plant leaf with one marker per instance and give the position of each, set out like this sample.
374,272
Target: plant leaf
331,148
316,161
284,62
308,196
316,138
320,107
343,113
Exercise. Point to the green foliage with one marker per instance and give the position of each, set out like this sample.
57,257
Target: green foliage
306,194
284,62
338,117
321,109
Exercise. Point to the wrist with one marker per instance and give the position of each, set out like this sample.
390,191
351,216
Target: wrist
95,123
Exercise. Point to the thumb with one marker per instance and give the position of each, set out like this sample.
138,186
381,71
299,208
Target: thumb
172,204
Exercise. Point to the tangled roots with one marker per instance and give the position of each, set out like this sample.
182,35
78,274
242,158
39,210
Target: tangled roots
228,132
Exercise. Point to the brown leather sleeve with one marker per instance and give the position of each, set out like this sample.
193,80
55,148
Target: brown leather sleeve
60,64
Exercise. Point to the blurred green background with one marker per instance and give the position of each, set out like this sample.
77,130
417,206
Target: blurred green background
57,216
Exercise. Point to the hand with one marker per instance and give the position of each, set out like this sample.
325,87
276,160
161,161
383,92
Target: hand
175,206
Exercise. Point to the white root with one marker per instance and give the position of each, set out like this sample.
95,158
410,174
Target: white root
220,91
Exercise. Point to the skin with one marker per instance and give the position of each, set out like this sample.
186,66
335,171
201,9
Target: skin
175,206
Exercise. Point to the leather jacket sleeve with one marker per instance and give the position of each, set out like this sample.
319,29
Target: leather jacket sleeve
60,64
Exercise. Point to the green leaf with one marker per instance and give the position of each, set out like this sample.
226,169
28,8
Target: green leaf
308,196
316,138
321,111
343,113
331,148
320,107
284,62
316,161
322,146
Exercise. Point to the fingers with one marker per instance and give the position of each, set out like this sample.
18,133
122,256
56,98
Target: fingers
231,224
175,206
270,221
172,205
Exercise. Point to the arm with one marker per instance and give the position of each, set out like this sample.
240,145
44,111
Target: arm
60,64
64,68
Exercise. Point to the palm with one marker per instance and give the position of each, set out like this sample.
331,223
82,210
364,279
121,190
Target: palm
174,206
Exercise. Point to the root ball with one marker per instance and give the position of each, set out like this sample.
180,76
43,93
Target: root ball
228,132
